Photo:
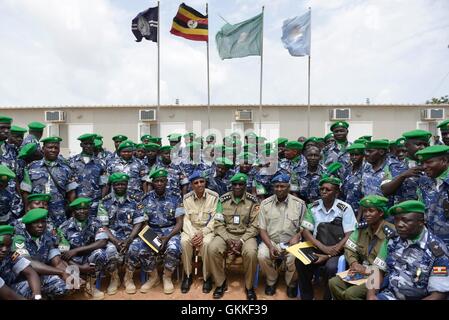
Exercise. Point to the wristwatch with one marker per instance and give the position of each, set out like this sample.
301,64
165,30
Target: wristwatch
37,297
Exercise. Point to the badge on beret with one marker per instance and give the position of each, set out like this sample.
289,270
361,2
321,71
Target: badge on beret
340,123
4,178
399,210
82,205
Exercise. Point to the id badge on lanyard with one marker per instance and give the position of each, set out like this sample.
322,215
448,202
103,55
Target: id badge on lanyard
236,218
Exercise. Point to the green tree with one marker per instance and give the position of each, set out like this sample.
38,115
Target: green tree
441,100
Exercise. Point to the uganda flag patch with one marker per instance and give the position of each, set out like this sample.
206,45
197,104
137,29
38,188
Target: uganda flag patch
439,271
190,24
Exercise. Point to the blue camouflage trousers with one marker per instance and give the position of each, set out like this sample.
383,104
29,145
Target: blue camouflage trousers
105,259
172,254
51,287
138,256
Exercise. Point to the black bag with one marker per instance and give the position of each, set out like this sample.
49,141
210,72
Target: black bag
330,233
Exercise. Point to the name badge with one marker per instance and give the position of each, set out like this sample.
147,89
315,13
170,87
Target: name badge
236,219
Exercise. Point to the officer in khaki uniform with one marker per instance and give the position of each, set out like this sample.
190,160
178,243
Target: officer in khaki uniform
236,228
280,220
198,228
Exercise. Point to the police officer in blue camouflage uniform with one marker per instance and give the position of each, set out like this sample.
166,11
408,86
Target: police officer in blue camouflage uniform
34,242
8,153
352,184
193,162
90,172
416,260
165,215
266,169
83,241
51,175
122,216
13,268
133,167
309,179
433,189
151,155
118,139
294,164
403,182
176,151
176,181
218,179
36,130
27,154
444,129
10,203
336,151
245,165
99,152
16,137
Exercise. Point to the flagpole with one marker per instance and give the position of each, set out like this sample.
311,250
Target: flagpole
158,66
261,74
308,85
208,78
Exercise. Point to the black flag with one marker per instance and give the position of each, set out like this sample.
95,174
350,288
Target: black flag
145,25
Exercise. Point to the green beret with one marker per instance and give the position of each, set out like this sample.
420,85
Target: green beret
6,174
266,152
51,140
39,197
145,137
251,135
400,142
377,144
343,124
193,145
375,201
165,149
228,150
189,134
27,150
224,162
6,230
247,157
249,146
362,141
237,142
126,145
98,143
155,140
174,137
239,177
311,139
294,145
319,140
417,134
140,146
5,119
331,180
159,173
432,152
367,138
80,203
152,146
235,134
18,130
261,139
37,126
280,141
333,167
119,137
328,136
444,126
87,136
118,177
99,136
408,206
356,148
34,215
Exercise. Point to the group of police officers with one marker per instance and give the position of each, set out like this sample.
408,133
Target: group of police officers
64,220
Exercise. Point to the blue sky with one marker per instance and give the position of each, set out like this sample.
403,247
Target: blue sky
82,52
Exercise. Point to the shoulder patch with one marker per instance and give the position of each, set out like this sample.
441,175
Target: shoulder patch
14,256
342,206
315,203
362,225
252,198
436,248
140,206
107,197
225,197
389,232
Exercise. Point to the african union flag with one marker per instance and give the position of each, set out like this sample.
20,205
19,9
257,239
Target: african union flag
190,24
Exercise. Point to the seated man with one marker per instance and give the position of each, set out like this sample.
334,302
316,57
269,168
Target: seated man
198,228
165,214
13,266
327,209
34,242
235,230
416,260
363,247
87,245
279,224
122,218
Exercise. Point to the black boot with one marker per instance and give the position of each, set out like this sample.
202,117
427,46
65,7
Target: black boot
251,294
219,291
186,283
207,285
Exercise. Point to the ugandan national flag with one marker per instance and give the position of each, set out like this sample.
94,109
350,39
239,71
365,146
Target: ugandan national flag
190,24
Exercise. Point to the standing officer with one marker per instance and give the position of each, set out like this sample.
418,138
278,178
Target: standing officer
16,137
36,130
280,220
8,153
309,179
198,229
294,164
176,181
416,260
336,150
378,168
51,175
164,212
235,230
220,175
444,128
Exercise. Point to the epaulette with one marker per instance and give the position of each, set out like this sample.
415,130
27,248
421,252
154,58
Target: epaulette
436,248
225,197
212,193
188,195
252,197
107,197
315,203
389,232
134,197
342,206
267,200
362,225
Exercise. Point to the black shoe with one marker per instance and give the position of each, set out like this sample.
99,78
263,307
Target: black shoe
292,292
219,291
251,294
270,290
207,285
186,283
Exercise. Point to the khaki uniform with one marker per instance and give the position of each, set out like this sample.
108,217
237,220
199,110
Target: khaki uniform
236,220
363,246
198,217
282,221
